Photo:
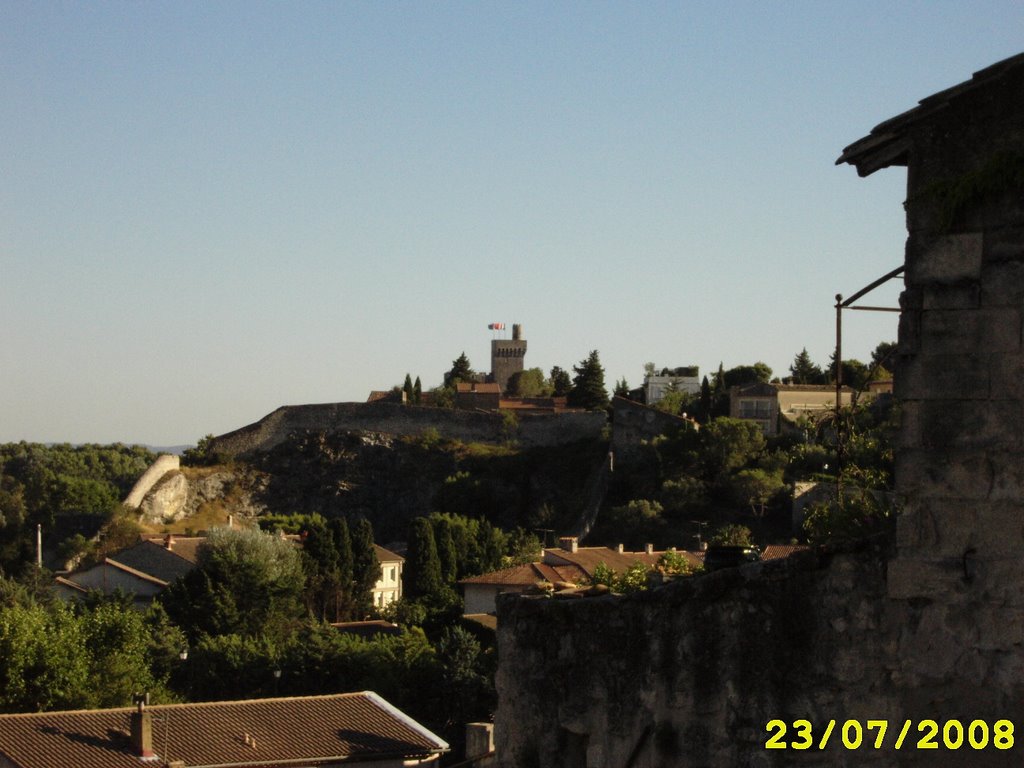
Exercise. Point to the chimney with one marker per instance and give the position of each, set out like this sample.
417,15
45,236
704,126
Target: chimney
169,542
649,549
142,729
569,543
480,743
620,548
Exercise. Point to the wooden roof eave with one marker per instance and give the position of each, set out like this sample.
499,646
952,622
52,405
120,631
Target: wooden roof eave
875,153
888,142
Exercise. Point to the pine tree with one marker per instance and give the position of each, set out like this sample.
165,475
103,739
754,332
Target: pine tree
461,371
365,567
588,385
622,388
805,371
422,572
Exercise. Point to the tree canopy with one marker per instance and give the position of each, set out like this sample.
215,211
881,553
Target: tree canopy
561,382
528,383
245,581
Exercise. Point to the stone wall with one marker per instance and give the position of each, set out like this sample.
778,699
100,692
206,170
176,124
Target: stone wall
407,420
691,674
634,423
164,463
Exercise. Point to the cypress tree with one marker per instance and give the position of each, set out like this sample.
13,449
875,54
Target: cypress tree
446,549
491,546
407,388
705,400
417,391
343,602
365,567
422,565
321,561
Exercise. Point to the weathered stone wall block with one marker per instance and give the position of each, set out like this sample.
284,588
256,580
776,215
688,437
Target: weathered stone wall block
948,259
995,330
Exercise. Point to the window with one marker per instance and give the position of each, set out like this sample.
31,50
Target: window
755,409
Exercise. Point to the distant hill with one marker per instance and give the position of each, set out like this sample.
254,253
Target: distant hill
175,450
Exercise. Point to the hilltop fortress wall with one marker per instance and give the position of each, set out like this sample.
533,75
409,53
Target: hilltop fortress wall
409,420
923,632
164,463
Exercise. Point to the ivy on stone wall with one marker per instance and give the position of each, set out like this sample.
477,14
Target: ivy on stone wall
954,198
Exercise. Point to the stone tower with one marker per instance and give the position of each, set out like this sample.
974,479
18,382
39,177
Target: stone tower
507,357
960,456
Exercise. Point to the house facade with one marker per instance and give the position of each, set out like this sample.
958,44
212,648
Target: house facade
656,387
388,588
775,406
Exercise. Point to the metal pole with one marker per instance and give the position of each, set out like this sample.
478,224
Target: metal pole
839,394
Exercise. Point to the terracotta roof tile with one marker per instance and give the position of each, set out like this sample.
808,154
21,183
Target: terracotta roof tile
588,558
338,727
778,551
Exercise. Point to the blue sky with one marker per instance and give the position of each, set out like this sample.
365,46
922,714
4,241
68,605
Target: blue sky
209,210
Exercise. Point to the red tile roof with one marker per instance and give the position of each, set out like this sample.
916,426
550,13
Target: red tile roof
267,733
779,551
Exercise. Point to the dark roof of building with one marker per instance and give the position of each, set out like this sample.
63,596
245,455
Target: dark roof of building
386,555
478,387
760,388
151,560
768,552
588,558
264,732
529,574
888,143
156,558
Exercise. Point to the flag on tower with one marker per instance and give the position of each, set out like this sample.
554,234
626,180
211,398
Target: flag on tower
496,326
